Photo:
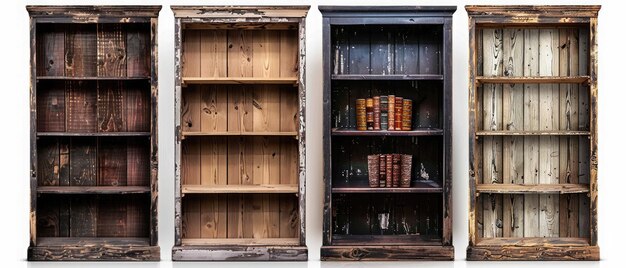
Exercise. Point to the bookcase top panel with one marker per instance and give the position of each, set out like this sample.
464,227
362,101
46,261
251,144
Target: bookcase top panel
242,12
93,11
563,11
351,11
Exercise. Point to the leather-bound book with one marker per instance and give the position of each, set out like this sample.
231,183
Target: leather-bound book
389,172
384,112
405,170
407,114
398,113
373,170
369,113
382,166
376,113
361,122
396,160
391,107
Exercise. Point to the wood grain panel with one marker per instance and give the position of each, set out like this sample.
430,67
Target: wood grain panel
83,162
240,53
381,50
266,53
83,216
213,53
214,107
112,163
406,52
138,163
289,51
137,50
531,122
81,50
583,123
51,108
191,109
112,216
50,50
111,107
191,53
48,162
81,106
111,50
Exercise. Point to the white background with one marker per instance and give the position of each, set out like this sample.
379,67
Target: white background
14,133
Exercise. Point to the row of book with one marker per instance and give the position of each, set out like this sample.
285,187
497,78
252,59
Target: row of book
389,170
384,113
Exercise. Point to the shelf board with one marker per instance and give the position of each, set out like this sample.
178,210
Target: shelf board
93,189
91,78
387,77
92,241
415,132
534,133
416,187
422,240
240,189
93,134
240,241
497,188
233,133
533,241
238,80
531,79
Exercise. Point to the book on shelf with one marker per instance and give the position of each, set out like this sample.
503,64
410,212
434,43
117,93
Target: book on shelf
407,114
389,171
382,162
405,170
373,165
361,122
376,112
398,113
384,109
391,114
396,170
369,112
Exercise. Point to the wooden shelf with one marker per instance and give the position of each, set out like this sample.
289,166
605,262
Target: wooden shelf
93,134
91,78
92,241
240,189
534,241
93,189
232,133
425,240
532,79
387,77
415,132
238,80
416,187
240,241
497,188
534,133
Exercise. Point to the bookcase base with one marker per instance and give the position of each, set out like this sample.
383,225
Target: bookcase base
239,253
534,253
94,253
386,253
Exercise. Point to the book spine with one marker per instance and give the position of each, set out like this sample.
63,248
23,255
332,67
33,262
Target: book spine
396,170
376,113
361,123
391,105
382,166
369,112
407,114
384,109
398,114
373,170
389,171
405,172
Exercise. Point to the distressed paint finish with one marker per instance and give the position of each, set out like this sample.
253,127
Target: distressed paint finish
70,248
383,43
557,42
243,18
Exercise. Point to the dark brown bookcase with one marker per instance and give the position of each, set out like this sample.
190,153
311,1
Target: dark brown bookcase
533,133
240,133
382,50
93,97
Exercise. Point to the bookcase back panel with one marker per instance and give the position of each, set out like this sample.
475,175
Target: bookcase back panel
542,108
240,53
426,97
240,216
408,214
93,106
239,160
351,154
88,50
239,108
93,216
386,49
89,161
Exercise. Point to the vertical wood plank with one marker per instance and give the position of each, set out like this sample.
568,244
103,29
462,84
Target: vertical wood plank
191,109
381,50
83,162
359,51
239,53
531,122
583,124
429,49
341,50
48,162
190,161
81,50
137,216
289,64
137,50
111,107
213,56
81,106
240,108
83,216
50,50
406,52
137,107
138,163
191,216
548,120
214,108
191,53
214,161
213,216
492,120
111,50
513,120
112,216
266,53
112,164
48,217
51,108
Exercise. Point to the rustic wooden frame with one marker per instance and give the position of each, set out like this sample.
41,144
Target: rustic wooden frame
390,15
532,248
241,17
120,248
